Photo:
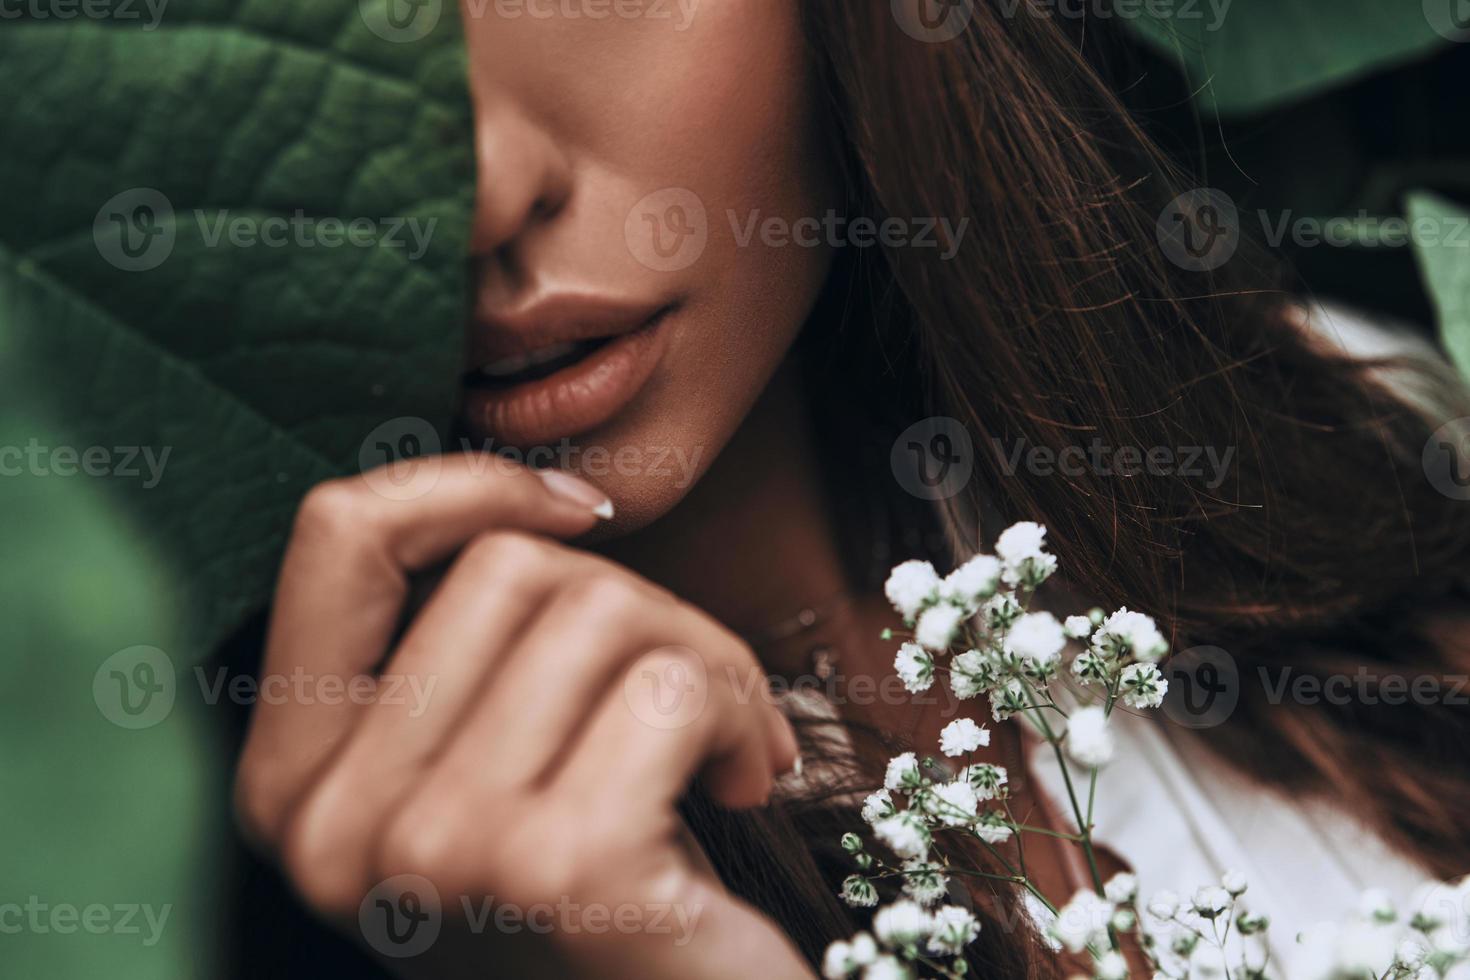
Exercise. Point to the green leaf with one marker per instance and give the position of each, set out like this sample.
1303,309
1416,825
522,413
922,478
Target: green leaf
109,830
1246,56
1442,248
141,281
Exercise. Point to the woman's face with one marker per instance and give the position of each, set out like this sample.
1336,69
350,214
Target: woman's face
639,161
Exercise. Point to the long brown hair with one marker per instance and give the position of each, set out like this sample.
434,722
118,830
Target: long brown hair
1060,320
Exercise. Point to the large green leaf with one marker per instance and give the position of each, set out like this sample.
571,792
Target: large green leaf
109,819
141,283
1245,56
1442,247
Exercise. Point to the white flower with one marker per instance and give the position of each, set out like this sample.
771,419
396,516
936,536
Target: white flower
1111,966
1234,882
970,674
859,892
1089,742
864,949
986,779
1142,686
973,581
1210,901
1163,905
954,928
1136,632
992,828
1082,921
910,586
1375,905
877,806
953,803
1121,888
1021,541
835,964
1037,637
1091,665
904,833
937,625
886,967
962,735
1077,627
1007,699
915,667
903,772
901,923
923,882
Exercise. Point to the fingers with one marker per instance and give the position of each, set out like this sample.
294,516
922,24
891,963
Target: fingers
340,595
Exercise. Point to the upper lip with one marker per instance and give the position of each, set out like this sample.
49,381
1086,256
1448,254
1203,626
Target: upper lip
551,320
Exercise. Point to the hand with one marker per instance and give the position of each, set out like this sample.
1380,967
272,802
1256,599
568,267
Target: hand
534,778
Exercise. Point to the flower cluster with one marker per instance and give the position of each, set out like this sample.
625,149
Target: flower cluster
976,628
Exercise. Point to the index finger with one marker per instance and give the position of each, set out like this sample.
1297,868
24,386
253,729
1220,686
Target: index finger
342,588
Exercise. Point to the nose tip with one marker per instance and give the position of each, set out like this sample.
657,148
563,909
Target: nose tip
522,178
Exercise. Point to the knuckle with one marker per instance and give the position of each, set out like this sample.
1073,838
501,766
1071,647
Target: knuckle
503,551
423,839
335,510
607,596
313,856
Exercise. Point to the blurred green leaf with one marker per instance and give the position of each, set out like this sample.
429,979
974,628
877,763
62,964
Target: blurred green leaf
178,264
1444,262
1246,56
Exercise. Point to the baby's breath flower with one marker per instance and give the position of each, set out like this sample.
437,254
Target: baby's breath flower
887,967
910,587
1210,901
1111,966
973,582
1077,627
901,923
962,735
1020,541
992,827
903,773
1000,610
923,882
1163,905
953,928
904,833
938,624
985,778
1121,888
952,803
1142,686
1132,633
970,674
877,806
837,962
859,892
1082,921
1089,742
1036,637
1008,699
915,667
1091,666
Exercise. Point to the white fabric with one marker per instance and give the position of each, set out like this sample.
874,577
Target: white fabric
1182,818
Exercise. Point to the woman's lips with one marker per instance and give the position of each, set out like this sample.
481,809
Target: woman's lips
575,397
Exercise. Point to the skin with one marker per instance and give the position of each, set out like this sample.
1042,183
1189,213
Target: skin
537,621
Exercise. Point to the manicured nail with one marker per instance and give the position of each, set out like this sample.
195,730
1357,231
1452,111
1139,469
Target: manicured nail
578,491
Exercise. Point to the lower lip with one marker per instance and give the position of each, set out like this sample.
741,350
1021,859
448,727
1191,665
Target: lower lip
579,397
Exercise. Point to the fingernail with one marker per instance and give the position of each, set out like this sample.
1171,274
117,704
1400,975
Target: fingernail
577,491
